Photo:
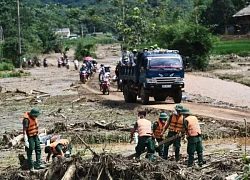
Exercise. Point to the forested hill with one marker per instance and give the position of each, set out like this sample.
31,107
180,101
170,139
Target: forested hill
183,4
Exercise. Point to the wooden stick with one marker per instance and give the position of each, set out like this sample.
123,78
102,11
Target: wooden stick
87,146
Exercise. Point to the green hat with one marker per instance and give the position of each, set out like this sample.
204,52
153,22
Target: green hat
35,112
178,107
163,116
185,111
134,50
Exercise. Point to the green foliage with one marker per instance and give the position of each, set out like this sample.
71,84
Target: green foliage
10,74
6,66
239,47
191,40
84,49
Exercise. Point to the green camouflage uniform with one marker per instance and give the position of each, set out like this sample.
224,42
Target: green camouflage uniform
144,141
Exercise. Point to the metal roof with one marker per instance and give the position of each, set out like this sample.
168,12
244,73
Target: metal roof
243,12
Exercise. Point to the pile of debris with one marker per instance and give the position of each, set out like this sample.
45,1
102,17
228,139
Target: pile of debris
114,166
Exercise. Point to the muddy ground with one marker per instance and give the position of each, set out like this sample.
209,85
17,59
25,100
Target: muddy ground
104,122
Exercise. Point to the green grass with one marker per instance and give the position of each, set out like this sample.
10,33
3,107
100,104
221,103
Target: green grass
12,74
239,78
6,66
239,47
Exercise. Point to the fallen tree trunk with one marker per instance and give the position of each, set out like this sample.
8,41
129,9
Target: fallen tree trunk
69,174
16,140
160,144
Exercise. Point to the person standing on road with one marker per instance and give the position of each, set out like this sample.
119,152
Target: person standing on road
194,138
158,126
144,129
60,147
175,125
31,138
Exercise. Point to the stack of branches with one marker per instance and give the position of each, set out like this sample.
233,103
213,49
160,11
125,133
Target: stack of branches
113,166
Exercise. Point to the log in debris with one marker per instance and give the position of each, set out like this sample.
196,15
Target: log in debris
15,141
35,94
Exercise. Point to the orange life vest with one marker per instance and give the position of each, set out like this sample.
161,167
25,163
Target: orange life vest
63,142
33,126
176,125
144,127
158,130
193,126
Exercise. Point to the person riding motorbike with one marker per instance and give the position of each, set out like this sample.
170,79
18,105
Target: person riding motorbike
105,76
83,68
101,69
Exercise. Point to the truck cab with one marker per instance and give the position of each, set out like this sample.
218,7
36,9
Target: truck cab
158,74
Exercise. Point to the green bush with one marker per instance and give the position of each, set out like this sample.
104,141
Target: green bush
190,39
6,66
10,74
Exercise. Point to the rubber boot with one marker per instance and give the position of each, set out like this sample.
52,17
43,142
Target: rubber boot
200,159
190,159
30,160
150,156
38,160
177,154
165,152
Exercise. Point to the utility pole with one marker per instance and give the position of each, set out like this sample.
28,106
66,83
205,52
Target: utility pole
1,39
123,20
19,36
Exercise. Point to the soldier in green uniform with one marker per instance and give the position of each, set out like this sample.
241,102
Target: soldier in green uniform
31,138
194,138
175,126
144,129
158,126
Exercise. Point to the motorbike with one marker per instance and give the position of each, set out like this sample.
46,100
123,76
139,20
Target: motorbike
84,77
105,86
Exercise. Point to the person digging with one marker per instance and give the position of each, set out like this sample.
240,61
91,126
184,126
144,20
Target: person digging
175,126
31,138
144,129
60,147
194,138
158,126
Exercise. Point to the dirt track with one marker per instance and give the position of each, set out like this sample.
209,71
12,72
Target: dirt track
64,87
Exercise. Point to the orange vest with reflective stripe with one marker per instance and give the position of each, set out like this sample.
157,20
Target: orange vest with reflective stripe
158,130
176,125
144,127
63,142
33,126
193,126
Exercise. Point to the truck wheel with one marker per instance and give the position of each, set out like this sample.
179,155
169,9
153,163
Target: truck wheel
160,97
177,96
128,96
144,97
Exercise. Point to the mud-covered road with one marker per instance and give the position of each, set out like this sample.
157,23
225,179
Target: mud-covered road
73,107
206,96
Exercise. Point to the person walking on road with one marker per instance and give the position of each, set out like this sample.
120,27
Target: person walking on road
175,126
60,147
144,129
194,138
31,138
158,126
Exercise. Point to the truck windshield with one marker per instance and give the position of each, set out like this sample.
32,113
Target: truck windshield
159,62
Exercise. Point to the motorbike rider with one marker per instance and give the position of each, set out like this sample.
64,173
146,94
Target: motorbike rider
83,68
45,62
105,76
101,69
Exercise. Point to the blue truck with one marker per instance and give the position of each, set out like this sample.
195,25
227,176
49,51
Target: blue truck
158,74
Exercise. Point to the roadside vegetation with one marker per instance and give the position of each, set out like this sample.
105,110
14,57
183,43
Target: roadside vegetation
239,78
239,47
